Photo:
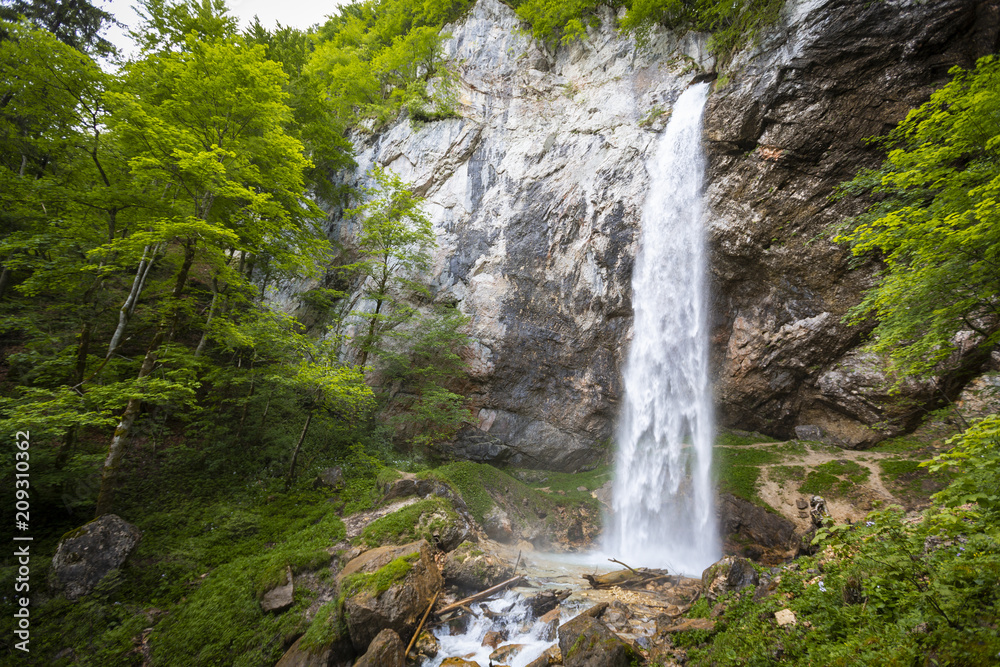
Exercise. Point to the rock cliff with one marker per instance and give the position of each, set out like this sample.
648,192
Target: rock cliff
535,192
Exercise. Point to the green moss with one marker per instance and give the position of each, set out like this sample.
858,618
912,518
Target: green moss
410,523
900,445
326,627
818,483
782,474
378,582
223,617
730,438
737,471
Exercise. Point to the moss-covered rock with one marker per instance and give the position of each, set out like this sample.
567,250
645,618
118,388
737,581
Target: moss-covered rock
469,566
586,642
388,588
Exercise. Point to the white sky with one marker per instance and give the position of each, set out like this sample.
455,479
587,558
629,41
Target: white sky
294,13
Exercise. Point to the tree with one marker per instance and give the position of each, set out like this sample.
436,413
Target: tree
205,126
76,23
394,243
936,225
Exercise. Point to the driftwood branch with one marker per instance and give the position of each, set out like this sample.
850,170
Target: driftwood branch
624,565
421,624
482,595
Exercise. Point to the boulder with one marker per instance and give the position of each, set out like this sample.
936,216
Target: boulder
84,556
470,566
753,526
331,478
427,646
552,656
728,574
280,597
337,655
386,650
498,526
586,642
506,653
389,588
459,662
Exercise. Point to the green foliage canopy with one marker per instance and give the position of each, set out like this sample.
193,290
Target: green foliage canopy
936,225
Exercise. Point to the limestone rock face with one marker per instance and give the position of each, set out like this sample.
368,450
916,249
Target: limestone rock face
782,133
87,554
536,190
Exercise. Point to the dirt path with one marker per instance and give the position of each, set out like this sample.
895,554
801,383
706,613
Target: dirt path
781,492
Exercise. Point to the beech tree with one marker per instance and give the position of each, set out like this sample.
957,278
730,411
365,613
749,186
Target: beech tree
205,127
936,226
394,240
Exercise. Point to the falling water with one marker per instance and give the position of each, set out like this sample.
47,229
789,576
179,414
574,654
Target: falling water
663,508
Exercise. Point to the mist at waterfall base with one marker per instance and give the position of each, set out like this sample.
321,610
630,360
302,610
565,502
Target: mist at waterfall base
663,507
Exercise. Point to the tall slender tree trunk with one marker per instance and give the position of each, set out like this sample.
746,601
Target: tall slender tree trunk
119,442
125,312
69,438
4,280
370,338
295,452
208,320
246,404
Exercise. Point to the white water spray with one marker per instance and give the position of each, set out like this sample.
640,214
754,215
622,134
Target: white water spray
664,514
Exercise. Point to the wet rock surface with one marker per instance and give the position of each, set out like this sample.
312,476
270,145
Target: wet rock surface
86,555
471,566
754,531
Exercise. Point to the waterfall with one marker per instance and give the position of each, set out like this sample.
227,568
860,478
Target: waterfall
664,513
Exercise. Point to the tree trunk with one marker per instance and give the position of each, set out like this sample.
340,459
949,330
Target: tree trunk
4,280
295,452
208,321
370,338
116,450
246,404
125,313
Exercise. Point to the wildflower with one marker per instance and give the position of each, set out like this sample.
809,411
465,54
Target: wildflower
869,523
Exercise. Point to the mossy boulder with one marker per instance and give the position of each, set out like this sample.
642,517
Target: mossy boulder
433,519
470,566
388,588
586,642
87,554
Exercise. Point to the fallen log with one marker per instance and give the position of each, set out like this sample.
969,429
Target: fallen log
482,595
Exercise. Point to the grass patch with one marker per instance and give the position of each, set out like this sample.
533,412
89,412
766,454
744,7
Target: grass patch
855,472
819,483
728,438
737,471
419,520
223,617
782,474
900,445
